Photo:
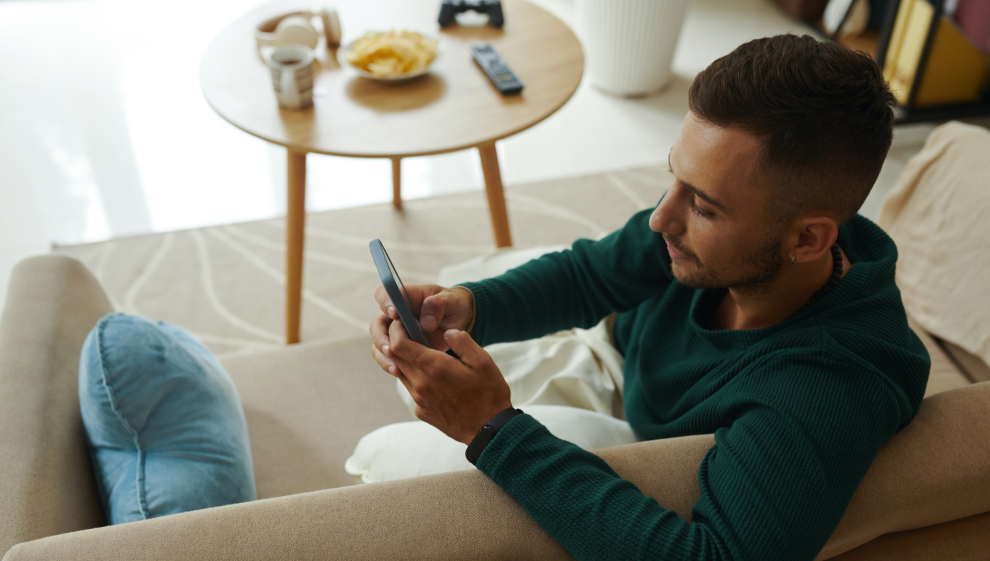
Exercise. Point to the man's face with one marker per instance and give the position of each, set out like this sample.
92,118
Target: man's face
712,218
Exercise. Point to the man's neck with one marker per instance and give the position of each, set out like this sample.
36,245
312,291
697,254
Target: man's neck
791,289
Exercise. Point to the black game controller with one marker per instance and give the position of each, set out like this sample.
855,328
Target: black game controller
450,8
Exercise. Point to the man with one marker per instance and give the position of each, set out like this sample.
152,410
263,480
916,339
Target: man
753,303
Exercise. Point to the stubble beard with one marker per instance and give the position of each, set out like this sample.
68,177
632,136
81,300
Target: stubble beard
754,273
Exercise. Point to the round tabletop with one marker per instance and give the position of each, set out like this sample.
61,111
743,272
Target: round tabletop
453,107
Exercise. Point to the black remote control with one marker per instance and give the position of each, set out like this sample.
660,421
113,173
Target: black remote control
498,72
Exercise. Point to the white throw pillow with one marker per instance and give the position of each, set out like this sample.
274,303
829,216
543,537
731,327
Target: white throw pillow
415,448
492,264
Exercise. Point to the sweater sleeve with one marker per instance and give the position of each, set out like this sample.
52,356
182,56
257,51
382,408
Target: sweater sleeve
773,487
576,287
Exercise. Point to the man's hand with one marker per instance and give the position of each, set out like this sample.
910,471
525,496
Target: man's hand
439,308
456,396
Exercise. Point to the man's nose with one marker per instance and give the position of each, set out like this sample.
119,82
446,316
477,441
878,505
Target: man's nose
665,218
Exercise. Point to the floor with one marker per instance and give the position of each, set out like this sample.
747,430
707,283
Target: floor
104,132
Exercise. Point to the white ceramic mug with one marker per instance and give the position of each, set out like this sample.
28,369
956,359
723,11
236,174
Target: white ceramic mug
292,75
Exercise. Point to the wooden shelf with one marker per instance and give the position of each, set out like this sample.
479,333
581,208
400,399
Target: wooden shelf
942,112
874,43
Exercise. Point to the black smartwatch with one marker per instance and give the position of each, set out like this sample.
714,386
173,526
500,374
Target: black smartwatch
488,432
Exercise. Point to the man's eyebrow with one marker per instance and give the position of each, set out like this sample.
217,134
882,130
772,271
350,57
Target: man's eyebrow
698,192
701,195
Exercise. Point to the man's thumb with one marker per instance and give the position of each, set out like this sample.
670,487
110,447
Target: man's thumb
433,311
465,347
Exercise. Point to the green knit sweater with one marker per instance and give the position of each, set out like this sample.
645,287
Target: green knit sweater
798,410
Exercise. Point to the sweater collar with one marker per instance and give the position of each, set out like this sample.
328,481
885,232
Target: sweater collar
872,255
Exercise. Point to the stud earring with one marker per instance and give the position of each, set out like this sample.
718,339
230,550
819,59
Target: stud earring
792,260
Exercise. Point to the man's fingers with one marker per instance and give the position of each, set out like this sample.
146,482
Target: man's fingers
379,333
416,379
401,345
413,359
470,352
383,361
384,302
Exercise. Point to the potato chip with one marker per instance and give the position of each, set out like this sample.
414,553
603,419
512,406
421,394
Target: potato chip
392,53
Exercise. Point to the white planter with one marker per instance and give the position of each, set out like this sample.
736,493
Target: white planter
630,44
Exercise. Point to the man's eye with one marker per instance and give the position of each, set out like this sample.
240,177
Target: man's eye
699,211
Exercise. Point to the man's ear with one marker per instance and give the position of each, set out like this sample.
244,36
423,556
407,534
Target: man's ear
812,237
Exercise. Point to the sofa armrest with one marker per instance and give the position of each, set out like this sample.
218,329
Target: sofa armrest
46,486
460,515
933,471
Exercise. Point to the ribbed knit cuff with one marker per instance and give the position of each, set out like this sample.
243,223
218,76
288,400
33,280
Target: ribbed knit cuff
499,450
482,312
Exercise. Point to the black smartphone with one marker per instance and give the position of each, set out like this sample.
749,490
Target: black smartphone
397,293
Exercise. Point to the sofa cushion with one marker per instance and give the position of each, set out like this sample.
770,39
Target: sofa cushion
307,406
163,421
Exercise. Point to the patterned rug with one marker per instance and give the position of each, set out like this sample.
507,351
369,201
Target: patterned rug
226,284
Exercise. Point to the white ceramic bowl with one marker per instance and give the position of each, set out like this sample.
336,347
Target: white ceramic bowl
342,57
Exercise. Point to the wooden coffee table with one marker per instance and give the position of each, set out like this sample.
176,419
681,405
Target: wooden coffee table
454,107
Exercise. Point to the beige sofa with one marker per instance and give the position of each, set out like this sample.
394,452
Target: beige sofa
926,497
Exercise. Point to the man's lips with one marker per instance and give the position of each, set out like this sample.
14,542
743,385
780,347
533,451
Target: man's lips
674,255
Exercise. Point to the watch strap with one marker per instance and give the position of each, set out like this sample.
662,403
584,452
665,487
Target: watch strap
488,432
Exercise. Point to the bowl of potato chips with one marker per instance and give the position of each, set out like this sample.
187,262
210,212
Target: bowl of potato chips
392,55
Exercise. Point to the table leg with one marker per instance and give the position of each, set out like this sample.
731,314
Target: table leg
295,228
496,197
397,183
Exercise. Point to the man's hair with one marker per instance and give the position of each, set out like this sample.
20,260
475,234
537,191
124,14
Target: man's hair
822,112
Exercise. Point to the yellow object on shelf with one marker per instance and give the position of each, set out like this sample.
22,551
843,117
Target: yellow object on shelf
954,70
